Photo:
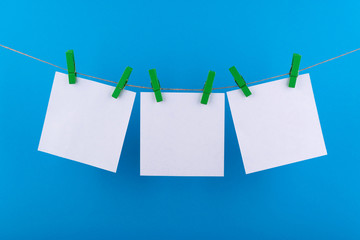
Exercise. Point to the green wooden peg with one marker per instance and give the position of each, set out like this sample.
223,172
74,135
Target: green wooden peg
294,71
155,85
70,60
208,87
240,81
122,82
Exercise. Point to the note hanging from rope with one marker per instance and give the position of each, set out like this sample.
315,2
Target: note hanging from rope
180,136
85,123
277,125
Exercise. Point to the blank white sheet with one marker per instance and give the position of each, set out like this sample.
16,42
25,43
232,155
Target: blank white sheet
180,136
277,125
85,123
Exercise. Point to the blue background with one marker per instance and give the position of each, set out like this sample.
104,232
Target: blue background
47,197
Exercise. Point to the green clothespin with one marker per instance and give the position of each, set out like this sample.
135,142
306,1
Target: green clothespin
240,81
155,85
70,59
294,71
208,87
122,82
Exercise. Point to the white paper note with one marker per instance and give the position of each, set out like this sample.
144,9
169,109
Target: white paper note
277,125
85,123
180,136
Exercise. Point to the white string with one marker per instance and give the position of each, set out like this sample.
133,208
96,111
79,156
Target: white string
179,89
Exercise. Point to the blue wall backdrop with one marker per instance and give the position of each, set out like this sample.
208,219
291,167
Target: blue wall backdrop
47,197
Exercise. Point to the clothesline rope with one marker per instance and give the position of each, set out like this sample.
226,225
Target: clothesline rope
179,89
